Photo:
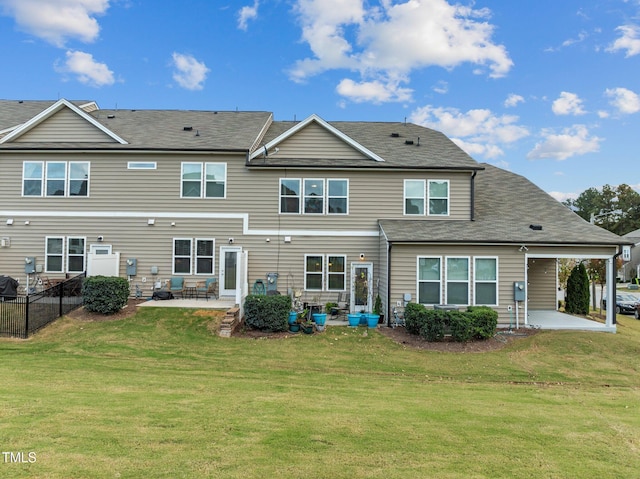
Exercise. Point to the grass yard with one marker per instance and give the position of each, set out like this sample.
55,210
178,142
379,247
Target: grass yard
158,396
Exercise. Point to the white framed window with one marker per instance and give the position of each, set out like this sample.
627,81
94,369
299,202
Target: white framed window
457,280
54,254
314,196
100,249
142,165
76,254
203,180
290,195
429,280
182,256
205,256
32,178
485,281
336,273
55,178
414,197
438,197
313,272
337,196
78,178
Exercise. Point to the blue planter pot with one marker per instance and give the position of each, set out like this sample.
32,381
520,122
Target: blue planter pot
293,317
294,328
363,319
372,320
354,320
319,318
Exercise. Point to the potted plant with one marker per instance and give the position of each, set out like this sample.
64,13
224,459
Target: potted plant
354,319
304,323
320,319
331,308
377,309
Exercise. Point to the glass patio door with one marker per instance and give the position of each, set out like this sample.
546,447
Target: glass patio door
361,287
228,269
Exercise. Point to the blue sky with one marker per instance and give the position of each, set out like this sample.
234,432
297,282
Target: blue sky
545,88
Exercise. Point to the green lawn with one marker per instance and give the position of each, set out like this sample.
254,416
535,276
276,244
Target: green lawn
158,396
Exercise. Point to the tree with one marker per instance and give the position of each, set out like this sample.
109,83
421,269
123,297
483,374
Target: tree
578,291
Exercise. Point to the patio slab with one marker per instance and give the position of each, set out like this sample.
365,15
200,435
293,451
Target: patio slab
221,303
558,320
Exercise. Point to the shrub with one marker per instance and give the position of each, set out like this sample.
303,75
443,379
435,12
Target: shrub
267,313
484,321
105,294
414,317
478,322
435,324
578,291
461,326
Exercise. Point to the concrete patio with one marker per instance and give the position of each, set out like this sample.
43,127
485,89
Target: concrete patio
558,320
220,303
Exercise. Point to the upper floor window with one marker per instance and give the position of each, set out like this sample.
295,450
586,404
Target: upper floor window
203,180
439,197
314,196
414,197
418,193
55,178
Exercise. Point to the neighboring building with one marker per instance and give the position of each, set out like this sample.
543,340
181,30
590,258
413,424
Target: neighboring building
356,207
631,269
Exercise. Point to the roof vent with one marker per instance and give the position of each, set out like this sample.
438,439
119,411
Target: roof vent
111,116
408,142
395,135
188,128
536,227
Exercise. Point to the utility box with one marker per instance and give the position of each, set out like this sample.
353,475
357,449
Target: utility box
519,291
272,282
132,267
30,265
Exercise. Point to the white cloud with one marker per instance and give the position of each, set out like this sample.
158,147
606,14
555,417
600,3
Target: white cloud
628,41
190,73
88,71
562,197
55,21
624,100
513,100
373,91
478,132
568,104
572,141
393,39
247,13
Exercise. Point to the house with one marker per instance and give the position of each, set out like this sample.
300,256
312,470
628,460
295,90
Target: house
365,208
631,269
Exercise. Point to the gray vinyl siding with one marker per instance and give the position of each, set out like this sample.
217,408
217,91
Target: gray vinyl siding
541,284
65,125
312,139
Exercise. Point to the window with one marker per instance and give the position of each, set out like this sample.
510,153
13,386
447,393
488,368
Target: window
313,272
182,256
210,185
414,197
54,248
75,255
289,195
141,165
314,196
486,281
457,273
60,178
32,174
439,197
337,197
336,273
429,280
205,256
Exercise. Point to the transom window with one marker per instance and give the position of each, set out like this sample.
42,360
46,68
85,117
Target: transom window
315,196
485,276
185,256
55,178
429,280
203,180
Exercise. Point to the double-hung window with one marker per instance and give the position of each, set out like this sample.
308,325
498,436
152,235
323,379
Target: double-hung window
439,197
414,197
485,276
203,180
75,254
182,256
337,197
32,178
429,280
457,274
290,195
314,196
313,272
336,273
204,256
185,256
55,178
55,254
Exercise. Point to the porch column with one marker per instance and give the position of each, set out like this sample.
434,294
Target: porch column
611,293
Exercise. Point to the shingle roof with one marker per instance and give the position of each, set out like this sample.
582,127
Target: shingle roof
506,205
430,149
153,129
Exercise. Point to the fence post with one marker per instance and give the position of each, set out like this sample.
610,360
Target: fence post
61,293
26,318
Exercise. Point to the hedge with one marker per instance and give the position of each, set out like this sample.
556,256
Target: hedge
267,313
105,294
477,322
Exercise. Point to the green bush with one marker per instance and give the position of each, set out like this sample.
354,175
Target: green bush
484,321
105,294
461,326
267,313
414,317
477,322
436,322
578,291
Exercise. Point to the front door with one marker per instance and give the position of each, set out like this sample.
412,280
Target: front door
228,269
361,287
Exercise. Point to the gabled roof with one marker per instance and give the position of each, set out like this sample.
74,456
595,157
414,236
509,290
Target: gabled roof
52,110
507,205
272,144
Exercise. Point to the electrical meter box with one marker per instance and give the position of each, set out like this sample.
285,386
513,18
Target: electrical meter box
519,291
132,266
30,265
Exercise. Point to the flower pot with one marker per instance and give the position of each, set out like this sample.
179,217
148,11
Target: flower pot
354,320
293,317
363,319
320,327
319,318
294,328
372,320
307,328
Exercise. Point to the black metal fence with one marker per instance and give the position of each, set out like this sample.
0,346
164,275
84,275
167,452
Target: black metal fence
24,315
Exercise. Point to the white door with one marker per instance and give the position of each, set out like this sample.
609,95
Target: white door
228,270
361,287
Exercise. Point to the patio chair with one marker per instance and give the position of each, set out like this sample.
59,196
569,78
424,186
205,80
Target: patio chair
206,288
176,285
343,305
